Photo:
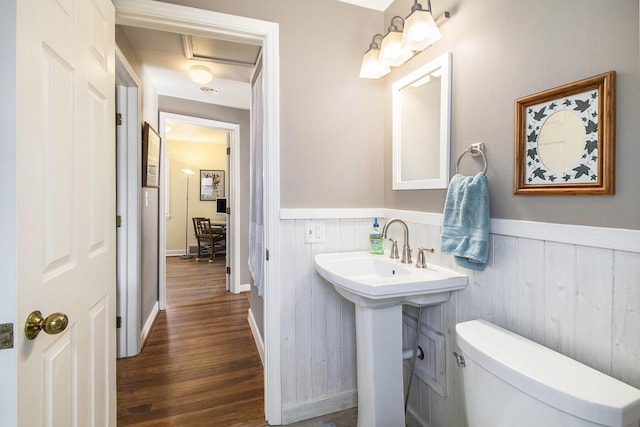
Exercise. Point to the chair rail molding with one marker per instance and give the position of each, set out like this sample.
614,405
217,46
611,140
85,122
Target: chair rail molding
583,235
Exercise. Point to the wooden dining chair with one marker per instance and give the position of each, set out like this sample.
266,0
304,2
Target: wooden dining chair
211,239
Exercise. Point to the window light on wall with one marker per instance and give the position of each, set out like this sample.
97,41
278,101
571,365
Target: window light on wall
419,31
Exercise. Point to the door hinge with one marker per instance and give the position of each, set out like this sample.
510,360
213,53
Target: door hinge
118,322
228,151
6,336
118,221
118,119
267,254
228,270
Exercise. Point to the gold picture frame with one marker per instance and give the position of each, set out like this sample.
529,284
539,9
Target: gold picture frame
565,139
150,157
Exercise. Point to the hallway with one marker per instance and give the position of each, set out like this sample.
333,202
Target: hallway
200,365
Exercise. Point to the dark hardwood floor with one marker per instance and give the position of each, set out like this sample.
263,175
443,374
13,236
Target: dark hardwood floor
199,366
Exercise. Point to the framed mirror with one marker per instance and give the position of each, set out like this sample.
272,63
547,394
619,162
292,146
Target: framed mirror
565,139
421,110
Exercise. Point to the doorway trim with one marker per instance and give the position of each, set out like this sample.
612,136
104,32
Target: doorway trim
234,199
128,184
175,18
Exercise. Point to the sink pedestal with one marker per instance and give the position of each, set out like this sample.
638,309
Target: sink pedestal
379,357
378,286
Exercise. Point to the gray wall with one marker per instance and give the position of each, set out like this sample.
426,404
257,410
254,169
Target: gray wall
129,52
331,121
149,253
505,50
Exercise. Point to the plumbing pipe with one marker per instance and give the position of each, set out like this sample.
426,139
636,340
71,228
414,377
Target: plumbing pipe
415,354
408,353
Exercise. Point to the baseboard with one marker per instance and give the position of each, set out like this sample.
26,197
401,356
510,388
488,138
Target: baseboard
316,408
245,288
148,324
174,252
255,331
193,250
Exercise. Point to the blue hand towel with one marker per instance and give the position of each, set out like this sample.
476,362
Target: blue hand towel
465,224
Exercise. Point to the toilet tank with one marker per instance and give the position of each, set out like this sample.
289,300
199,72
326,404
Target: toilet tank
512,381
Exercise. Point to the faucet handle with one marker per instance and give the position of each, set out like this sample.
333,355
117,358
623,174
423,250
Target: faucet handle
394,249
422,262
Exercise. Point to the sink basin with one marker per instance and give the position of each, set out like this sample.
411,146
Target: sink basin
378,286
377,280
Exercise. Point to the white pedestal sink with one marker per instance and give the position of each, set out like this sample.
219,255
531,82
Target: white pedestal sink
378,286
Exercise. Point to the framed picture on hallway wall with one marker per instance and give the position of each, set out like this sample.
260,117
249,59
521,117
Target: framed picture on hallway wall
211,184
150,156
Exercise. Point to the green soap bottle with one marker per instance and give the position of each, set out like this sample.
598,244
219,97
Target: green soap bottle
376,241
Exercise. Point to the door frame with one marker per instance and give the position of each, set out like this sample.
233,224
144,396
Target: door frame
233,236
8,215
128,182
175,18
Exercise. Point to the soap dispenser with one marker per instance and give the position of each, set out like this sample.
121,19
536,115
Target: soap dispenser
376,241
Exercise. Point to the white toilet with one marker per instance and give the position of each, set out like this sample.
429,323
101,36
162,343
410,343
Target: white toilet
512,381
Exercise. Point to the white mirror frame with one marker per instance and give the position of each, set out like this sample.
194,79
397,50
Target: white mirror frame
442,181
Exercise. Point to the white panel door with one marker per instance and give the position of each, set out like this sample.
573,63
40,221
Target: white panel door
66,210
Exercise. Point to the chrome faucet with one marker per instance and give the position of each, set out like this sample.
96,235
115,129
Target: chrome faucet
406,250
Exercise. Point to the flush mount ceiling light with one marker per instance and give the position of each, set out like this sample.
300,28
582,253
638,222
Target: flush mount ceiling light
391,51
200,74
371,67
420,29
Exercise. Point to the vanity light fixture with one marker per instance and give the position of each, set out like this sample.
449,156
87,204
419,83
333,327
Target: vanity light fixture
371,67
420,29
391,51
200,74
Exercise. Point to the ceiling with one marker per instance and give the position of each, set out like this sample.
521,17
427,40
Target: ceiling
167,58
380,5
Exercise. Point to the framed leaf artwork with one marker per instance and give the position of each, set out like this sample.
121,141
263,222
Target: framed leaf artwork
565,139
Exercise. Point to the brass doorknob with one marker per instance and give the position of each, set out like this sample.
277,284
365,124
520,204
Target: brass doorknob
52,324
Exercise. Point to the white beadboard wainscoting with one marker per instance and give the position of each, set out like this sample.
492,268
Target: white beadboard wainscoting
574,289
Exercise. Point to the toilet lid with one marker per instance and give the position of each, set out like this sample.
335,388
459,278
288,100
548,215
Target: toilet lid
549,376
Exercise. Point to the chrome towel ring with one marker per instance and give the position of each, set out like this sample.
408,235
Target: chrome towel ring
475,150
